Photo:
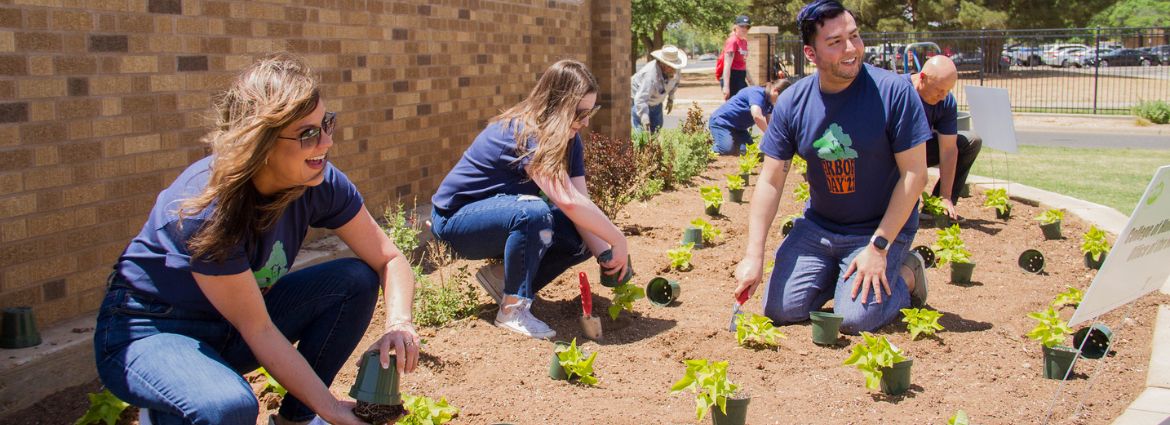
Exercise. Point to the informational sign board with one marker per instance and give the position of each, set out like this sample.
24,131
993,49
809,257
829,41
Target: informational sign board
1137,263
991,117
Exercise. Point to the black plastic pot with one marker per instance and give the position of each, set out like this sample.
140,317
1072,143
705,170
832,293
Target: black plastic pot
1006,214
825,327
1032,261
965,191
1097,346
746,178
1058,360
374,384
787,227
942,221
661,291
736,195
896,378
693,235
927,255
1051,230
961,272
736,412
19,329
1094,264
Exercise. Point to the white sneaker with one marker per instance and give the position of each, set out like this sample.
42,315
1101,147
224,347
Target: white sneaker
491,278
917,266
517,317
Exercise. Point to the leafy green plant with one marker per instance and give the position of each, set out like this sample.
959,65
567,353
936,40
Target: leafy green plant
624,296
1156,111
921,321
799,165
998,199
270,383
932,205
960,418
424,411
800,192
709,230
1051,329
712,196
684,155
1050,216
949,247
1094,243
735,182
752,148
871,355
1071,297
708,381
104,408
446,300
576,364
680,258
748,163
401,228
754,328
694,123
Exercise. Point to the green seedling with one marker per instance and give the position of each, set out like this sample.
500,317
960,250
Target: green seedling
1051,329
998,199
708,229
104,408
624,296
1050,216
1094,243
748,162
708,381
400,228
270,383
799,165
921,321
735,182
800,192
1071,297
871,355
424,411
576,364
769,266
932,205
712,196
680,258
753,149
754,328
960,418
950,248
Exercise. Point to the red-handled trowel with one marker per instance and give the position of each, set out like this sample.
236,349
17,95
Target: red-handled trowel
591,325
735,309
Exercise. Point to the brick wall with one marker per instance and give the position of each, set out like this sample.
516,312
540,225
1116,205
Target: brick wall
103,102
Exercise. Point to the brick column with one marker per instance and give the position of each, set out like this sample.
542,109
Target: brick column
609,61
757,60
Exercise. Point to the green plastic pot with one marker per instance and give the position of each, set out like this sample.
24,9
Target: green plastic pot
693,235
374,384
555,371
19,329
896,378
736,412
661,291
1094,264
712,211
1051,230
927,255
825,327
1058,360
961,272
1099,337
609,280
736,195
1032,261
964,121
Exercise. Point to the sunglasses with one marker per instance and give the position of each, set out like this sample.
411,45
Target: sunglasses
310,138
585,114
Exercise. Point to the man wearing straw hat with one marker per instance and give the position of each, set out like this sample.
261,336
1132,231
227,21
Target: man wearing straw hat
654,84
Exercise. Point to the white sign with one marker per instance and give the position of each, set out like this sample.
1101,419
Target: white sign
1137,263
991,117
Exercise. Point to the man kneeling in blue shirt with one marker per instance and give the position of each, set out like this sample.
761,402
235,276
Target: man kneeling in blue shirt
731,124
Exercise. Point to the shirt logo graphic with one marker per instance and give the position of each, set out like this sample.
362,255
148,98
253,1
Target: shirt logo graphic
276,267
837,160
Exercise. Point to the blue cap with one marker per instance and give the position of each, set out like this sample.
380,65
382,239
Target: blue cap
743,20
814,10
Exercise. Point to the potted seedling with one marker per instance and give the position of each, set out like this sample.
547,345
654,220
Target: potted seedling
735,185
680,258
789,223
570,364
424,411
624,296
376,390
998,199
1050,223
712,199
753,149
757,330
921,321
747,163
933,207
800,192
1051,332
1031,260
1095,247
825,327
882,364
707,231
708,381
949,248
693,235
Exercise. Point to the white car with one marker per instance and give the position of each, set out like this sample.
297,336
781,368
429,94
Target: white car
1052,56
1073,56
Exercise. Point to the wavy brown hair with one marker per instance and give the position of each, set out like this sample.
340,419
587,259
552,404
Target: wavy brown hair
547,115
269,95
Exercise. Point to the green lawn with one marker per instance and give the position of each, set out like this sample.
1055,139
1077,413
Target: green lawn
1112,177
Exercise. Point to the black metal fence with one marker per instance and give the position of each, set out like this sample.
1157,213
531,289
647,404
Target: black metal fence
1082,70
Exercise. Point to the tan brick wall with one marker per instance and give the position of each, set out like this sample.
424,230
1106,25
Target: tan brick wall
102,104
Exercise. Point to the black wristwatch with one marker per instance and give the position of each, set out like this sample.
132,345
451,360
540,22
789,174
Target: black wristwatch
879,242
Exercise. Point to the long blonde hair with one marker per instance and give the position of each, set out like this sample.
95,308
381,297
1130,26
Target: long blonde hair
547,115
272,93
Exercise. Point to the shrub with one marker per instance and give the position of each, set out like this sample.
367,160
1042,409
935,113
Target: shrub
615,171
1157,111
1094,243
694,124
424,411
1050,216
1051,329
998,199
402,228
576,364
687,154
950,247
708,381
437,304
873,354
708,229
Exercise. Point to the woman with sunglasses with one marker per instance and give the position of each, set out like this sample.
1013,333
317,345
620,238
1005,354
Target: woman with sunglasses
204,292
489,205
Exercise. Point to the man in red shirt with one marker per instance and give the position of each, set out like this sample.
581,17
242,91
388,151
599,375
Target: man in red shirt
735,77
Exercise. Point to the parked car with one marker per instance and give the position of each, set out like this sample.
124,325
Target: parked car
1082,59
1069,57
1055,54
707,57
1162,53
1024,55
1123,57
973,60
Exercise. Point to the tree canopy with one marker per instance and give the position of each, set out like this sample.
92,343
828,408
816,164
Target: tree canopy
650,19
1134,13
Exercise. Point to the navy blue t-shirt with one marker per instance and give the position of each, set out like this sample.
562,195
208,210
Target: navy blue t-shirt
943,116
737,112
849,139
158,262
490,167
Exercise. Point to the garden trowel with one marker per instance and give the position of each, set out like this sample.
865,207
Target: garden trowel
591,325
735,309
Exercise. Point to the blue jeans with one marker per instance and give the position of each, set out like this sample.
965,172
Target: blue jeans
185,365
537,241
655,113
738,82
729,141
808,270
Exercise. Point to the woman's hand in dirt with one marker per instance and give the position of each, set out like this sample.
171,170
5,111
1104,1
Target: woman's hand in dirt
748,274
870,266
403,340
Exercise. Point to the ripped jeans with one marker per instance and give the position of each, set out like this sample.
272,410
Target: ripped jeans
537,241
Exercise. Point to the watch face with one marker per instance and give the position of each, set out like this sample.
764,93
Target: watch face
880,242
